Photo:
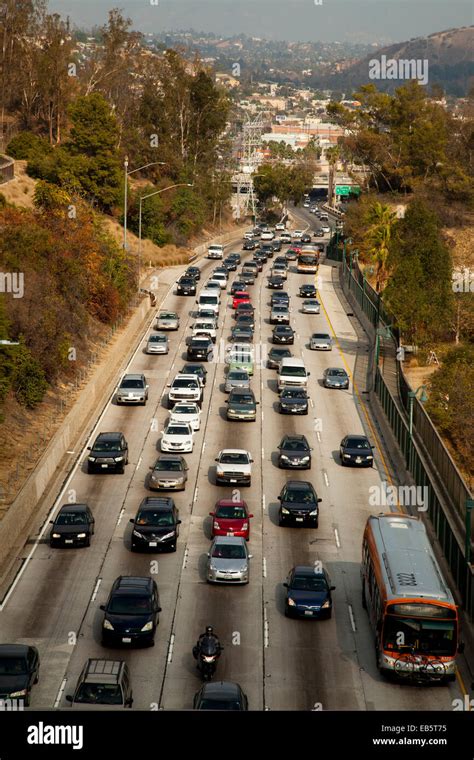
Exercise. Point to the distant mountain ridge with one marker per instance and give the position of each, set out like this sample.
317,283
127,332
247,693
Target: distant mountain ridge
450,57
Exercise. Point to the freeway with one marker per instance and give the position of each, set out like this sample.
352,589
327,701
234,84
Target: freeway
281,664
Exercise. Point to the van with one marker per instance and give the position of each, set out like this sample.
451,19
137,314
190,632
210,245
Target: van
292,372
209,301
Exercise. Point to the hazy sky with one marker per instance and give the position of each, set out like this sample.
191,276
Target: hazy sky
325,20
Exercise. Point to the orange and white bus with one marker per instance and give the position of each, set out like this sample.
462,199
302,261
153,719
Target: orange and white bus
308,261
410,606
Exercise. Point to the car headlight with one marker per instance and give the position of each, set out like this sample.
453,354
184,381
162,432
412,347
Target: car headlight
347,456
217,526
168,535
285,511
21,693
148,626
56,535
108,625
313,512
118,459
81,535
326,604
291,602
92,459
283,456
305,459
369,457
138,534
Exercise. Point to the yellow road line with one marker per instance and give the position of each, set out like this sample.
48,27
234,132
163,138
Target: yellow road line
462,686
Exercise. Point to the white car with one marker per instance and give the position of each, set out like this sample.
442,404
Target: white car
280,226
184,412
215,251
326,229
221,278
205,327
267,235
297,234
177,436
285,237
249,235
212,286
234,466
184,388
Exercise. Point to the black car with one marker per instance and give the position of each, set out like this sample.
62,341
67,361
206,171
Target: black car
156,524
230,264
19,671
305,237
72,526
281,260
294,452
280,297
186,286
200,348
275,355
298,504
194,272
238,286
235,257
195,369
356,450
131,612
276,282
283,334
241,334
293,401
308,291
249,245
276,245
109,452
245,319
308,592
260,256
220,695
267,249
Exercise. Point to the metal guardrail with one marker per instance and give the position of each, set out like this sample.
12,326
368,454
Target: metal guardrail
7,169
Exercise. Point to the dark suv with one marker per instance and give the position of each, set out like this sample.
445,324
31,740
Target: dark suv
72,526
19,670
109,452
104,683
132,611
156,524
186,286
200,348
298,504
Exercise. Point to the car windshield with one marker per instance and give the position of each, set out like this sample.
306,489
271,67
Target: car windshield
131,383
208,299
199,343
242,398
187,281
279,353
236,375
231,513
72,518
176,430
234,458
185,384
129,605
321,336
12,666
294,371
336,373
294,393
99,693
158,519
283,330
357,443
280,309
228,551
311,302
168,465
168,315
204,326
106,445
157,338
298,495
309,583
289,445
189,409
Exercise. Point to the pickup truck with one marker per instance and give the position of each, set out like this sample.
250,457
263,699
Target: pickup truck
215,251
234,466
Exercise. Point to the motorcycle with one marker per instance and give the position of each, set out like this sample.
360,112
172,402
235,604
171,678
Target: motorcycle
207,655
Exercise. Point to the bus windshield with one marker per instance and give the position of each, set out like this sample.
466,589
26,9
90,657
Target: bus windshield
420,636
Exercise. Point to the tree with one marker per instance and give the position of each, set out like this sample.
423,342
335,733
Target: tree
380,219
28,381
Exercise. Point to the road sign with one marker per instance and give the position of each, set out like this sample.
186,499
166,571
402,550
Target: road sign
347,189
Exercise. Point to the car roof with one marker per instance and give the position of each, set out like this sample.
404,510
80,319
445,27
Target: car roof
159,502
231,503
131,376
356,436
242,392
299,485
234,451
74,508
294,437
230,540
133,583
307,570
103,671
220,689
13,650
109,436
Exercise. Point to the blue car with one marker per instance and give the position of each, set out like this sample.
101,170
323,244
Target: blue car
308,592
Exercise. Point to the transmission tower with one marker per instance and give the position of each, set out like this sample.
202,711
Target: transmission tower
249,161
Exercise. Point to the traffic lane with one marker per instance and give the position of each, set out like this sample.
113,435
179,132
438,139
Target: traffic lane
234,612
60,577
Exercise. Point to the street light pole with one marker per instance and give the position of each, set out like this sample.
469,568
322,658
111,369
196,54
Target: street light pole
125,192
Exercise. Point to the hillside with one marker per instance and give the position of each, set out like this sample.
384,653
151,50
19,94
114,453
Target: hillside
450,56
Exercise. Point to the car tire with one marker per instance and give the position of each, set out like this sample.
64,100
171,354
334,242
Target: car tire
316,523
37,677
121,470
173,548
27,699
87,542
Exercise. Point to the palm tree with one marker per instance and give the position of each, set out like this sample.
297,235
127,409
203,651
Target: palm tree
381,220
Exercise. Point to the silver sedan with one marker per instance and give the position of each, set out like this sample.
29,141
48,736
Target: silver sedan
228,560
157,344
311,306
237,378
320,342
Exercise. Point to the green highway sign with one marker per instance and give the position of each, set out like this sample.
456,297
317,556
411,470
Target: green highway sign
347,189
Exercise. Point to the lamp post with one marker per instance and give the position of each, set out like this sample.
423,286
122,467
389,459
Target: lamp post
125,191
354,253
143,198
411,399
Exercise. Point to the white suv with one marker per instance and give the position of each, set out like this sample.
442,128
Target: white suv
215,251
234,466
184,388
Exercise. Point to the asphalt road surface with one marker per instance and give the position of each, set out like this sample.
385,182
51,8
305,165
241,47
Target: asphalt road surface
280,663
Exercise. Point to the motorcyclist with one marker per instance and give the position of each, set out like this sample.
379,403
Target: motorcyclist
207,636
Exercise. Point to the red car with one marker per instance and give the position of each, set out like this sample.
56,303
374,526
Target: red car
240,297
231,518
